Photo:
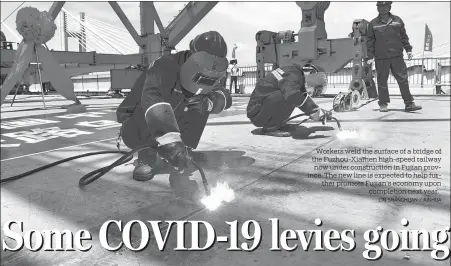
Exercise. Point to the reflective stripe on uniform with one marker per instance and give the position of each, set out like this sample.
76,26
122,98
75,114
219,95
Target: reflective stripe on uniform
160,103
278,74
225,99
280,71
389,22
303,102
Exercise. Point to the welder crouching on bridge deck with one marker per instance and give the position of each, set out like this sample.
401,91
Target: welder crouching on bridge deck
276,96
170,104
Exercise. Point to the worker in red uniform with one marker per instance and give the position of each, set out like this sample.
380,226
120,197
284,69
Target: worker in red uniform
169,105
276,96
387,38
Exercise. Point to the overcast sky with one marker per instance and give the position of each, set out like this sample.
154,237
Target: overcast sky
238,22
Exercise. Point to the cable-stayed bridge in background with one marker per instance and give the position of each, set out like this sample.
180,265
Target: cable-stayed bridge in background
93,35
102,46
88,45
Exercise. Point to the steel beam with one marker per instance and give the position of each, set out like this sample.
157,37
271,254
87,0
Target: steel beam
153,43
147,20
150,43
71,71
117,9
186,20
157,20
91,58
55,9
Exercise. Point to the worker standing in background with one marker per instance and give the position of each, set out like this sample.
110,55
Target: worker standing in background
169,105
234,75
276,96
387,38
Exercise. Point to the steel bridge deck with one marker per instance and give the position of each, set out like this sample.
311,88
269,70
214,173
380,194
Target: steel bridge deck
272,174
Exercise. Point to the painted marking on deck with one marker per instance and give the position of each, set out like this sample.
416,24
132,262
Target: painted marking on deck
10,145
13,145
26,122
37,135
42,152
88,114
99,124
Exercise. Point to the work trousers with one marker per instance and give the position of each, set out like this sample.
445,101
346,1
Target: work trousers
135,133
398,67
273,110
234,79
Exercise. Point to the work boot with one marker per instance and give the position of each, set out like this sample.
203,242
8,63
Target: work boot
411,107
383,108
143,171
146,165
283,131
275,132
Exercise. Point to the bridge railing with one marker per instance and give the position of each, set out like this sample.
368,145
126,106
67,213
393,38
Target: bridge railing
247,75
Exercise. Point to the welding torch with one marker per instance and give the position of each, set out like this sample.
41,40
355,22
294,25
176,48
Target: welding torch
326,117
94,175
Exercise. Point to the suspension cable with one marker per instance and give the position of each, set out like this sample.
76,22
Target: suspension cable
81,23
75,31
87,18
72,31
128,42
110,35
97,43
13,12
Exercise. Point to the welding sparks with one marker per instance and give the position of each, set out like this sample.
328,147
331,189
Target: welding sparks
219,194
347,134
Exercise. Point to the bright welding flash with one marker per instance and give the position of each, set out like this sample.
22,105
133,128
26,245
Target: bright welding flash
347,134
219,194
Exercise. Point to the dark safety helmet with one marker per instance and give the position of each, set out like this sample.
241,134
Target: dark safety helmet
384,3
210,42
204,70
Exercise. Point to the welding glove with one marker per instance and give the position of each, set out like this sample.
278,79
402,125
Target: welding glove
321,115
199,103
176,153
221,101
